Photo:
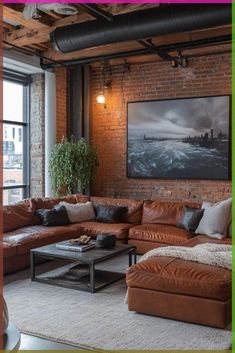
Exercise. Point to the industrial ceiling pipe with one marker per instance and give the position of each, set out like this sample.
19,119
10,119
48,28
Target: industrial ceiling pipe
138,25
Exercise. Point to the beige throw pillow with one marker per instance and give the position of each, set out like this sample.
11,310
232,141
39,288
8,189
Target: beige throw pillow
79,212
215,220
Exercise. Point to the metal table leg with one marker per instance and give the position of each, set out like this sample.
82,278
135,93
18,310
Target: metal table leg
92,277
32,266
132,254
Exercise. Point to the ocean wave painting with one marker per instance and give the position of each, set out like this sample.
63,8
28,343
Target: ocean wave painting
183,138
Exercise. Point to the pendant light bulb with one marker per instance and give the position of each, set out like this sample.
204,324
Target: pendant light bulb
100,98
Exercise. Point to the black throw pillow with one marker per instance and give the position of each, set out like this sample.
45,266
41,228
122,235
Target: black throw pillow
54,217
110,214
190,218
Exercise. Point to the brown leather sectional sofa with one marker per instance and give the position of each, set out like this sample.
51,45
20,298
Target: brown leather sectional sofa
23,229
167,287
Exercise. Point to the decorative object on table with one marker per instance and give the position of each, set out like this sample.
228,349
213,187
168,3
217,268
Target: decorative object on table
187,138
190,218
110,214
72,166
57,216
216,219
79,212
105,240
67,245
82,240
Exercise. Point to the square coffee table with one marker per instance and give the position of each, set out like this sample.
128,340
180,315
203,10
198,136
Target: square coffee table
82,274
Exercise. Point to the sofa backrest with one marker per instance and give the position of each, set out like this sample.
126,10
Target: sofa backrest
164,212
49,202
21,214
134,213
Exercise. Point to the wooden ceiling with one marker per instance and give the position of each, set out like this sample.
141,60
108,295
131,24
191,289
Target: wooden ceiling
34,34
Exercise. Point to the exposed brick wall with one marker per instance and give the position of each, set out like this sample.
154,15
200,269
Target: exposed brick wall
61,103
37,135
204,76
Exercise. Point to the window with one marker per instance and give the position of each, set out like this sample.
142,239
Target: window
19,135
15,137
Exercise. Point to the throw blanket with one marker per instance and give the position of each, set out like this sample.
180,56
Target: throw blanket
219,255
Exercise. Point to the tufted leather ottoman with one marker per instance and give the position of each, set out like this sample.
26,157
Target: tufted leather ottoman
181,290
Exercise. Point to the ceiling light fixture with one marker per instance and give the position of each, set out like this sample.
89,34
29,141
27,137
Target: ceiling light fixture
60,9
31,11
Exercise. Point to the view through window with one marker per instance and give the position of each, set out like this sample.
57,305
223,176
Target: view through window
15,144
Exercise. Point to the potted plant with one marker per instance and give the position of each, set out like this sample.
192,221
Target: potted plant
72,165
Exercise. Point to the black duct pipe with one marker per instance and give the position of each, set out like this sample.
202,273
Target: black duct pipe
138,25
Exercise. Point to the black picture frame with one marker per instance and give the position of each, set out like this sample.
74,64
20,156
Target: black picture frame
223,168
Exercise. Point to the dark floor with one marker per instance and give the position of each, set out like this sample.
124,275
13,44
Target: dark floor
29,342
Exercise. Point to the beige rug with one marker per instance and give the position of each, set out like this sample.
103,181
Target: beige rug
101,320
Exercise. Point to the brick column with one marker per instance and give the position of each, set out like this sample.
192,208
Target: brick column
37,135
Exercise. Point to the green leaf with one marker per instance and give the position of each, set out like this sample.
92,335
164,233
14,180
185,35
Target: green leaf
72,165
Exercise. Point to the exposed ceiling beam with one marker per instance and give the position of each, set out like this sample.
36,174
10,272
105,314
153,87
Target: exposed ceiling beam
160,52
106,49
16,16
96,11
32,35
118,9
7,26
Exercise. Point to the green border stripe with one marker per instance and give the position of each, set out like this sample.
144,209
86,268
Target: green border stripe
233,171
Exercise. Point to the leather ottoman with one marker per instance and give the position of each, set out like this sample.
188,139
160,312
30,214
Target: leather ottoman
181,290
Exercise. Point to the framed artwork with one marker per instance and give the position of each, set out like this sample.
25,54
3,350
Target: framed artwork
186,138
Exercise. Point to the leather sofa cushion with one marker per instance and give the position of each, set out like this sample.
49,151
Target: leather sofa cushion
163,212
94,228
134,207
9,250
32,237
143,246
201,239
19,215
159,233
48,202
171,275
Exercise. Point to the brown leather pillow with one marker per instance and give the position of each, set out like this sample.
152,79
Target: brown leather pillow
110,214
190,218
54,217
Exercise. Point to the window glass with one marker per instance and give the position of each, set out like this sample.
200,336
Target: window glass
15,145
12,195
12,101
12,157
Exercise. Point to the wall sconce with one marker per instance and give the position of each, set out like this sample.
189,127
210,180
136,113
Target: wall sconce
106,83
179,60
100,98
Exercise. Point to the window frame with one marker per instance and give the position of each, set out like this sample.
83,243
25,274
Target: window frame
24,80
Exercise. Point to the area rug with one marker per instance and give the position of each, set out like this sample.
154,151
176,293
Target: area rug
100,320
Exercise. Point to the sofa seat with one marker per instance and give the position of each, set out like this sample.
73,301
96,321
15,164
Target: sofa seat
159,233
27,238
202,239
94,228
9,250
171,275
